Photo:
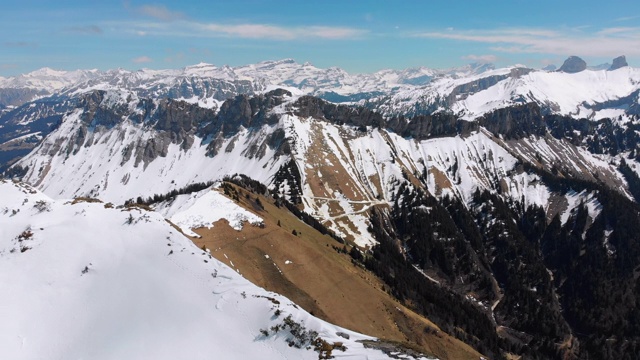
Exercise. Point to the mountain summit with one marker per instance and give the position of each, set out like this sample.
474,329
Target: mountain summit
620,61
573,65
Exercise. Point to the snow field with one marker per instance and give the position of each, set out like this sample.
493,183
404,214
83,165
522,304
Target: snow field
112,283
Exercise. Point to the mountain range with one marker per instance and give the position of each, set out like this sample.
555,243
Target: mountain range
499,204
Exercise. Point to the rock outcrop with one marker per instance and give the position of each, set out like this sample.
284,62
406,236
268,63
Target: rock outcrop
515,122
573,65
620,61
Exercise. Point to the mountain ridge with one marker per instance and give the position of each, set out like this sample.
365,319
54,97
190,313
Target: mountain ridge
511,217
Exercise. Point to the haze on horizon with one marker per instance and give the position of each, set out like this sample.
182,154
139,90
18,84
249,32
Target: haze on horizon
362,36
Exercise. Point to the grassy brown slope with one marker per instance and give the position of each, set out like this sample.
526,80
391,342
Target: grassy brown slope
308,270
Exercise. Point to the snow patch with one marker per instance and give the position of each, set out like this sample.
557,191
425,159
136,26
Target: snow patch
202,209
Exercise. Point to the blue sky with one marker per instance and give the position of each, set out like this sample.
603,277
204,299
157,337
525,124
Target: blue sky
359,36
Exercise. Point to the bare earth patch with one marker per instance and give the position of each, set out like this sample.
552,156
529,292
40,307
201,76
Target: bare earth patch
307,269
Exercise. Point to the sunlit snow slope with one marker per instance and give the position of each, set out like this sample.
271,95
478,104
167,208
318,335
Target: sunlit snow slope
86,280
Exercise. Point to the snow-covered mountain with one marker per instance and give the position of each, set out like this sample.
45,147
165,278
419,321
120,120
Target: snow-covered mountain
118,147
514,189
473,89
592,94
32,104
207,82
84,279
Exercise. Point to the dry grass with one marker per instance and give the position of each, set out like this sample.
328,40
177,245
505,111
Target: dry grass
85,200
138,206
308,270
441,180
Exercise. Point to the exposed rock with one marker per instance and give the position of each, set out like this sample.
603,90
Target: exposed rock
573,65
175,121
550,67
620,61
100,112
245,111
461,92
419,127
17,97
309,106
515,122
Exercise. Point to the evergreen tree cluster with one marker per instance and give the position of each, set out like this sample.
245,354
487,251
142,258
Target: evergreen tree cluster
452,312
549,281
309,220
157,198
247,183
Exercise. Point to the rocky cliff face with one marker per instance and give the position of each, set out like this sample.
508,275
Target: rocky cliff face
515,122
572,65
619,62
18,96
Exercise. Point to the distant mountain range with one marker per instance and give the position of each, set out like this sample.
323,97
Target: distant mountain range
31,103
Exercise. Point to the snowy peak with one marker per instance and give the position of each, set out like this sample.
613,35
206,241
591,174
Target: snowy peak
471,90
584,94
48,79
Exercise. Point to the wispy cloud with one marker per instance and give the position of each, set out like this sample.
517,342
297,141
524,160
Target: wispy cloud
142,60
160,12
619,31
8,66
177,24
275,32
186,28
626,18
605,42
87,30
481,58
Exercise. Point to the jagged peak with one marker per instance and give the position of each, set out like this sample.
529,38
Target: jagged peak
46,71
619,62
199,67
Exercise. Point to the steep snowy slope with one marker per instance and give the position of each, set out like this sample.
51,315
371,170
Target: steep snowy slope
593,94
341,171
35,102
116,160
81,279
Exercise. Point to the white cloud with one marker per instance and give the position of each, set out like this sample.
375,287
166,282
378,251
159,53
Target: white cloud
620,31
251,31
481,58
160,12
626,18
182,26
605,42
275,32
142,60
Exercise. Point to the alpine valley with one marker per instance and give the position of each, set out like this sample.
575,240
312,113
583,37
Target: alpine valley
463,213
